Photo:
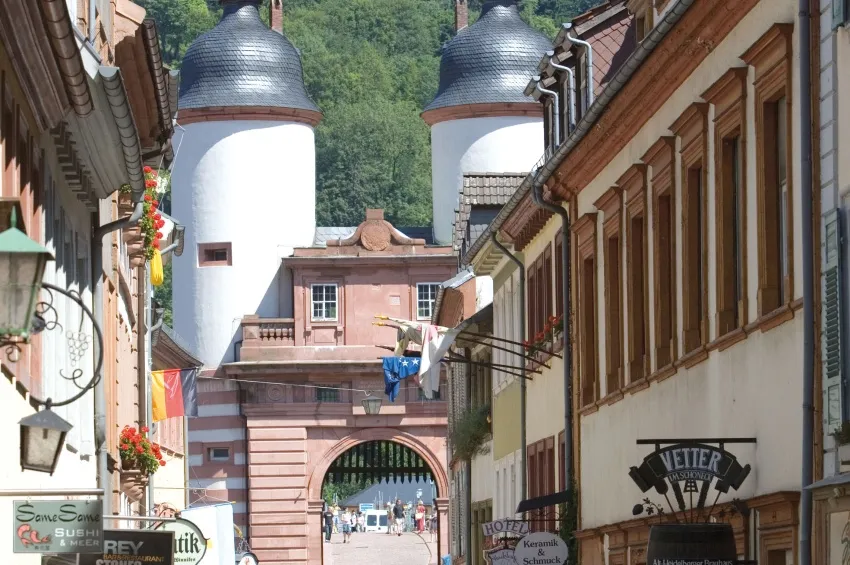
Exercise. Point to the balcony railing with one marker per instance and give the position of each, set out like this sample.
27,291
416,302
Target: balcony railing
258,331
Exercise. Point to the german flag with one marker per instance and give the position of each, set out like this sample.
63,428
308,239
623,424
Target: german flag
174,393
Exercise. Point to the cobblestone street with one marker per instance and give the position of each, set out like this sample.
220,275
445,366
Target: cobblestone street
381,549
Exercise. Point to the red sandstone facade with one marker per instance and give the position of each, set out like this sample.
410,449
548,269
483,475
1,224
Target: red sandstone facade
265,439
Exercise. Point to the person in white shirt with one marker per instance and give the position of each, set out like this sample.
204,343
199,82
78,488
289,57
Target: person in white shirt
345,520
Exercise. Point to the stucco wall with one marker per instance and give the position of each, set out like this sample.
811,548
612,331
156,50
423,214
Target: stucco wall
482,476
749,390
477,145
250,183
507,483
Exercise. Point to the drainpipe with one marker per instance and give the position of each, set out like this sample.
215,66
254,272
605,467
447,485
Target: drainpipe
556,114
571,92
522,381
537,197
589,47
92,21
808,283
105,478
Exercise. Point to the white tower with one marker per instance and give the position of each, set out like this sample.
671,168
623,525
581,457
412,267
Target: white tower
480,119
244,177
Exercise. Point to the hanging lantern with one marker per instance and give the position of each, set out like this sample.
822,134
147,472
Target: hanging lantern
371,404
22,263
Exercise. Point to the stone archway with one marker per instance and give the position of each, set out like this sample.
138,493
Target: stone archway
314,486
315,503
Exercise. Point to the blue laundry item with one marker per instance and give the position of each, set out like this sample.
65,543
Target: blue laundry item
396,369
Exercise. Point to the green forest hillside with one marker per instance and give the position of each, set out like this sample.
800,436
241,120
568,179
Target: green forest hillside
371,65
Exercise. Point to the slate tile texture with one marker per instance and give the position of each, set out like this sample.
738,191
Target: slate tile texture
490,61
241,62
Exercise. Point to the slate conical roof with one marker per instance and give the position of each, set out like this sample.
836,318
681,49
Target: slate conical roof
490,61
241,62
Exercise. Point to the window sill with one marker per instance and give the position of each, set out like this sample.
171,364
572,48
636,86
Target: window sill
727,340
663,373
610,398
589,409
692,358
774,318
636,385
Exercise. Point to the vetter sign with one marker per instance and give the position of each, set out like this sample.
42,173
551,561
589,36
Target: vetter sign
190,545
541,548
133,547
57,526
689,462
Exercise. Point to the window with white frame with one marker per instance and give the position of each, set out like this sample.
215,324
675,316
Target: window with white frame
324,302
426,295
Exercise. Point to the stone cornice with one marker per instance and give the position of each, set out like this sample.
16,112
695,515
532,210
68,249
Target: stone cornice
236,113
493,110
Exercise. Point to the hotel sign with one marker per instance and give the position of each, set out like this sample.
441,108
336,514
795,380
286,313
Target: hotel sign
505,526
57,526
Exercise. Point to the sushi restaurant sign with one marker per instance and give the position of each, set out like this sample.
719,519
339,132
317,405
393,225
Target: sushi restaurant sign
57,526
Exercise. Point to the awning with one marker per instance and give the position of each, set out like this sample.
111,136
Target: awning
840,480
544,501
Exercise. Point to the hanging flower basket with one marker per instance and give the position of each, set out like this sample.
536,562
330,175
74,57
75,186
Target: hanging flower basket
138,453
544,341
151,221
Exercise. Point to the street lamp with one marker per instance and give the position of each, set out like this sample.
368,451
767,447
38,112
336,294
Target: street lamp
371,404
22,263
42,440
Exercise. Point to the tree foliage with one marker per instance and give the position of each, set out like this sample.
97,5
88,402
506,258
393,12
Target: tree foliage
371,66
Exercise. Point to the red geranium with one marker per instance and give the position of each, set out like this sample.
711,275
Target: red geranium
137,451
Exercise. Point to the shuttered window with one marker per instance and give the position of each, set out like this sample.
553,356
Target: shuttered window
831,315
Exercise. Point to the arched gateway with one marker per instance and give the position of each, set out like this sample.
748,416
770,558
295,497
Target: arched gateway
275,417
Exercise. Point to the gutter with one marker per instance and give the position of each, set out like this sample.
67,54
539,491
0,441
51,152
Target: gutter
100,404
806,197
113,85
544,168
160,78
63,42
523,394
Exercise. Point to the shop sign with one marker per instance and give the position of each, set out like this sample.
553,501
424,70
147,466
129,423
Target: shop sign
190,545
57,526
541,548
133,547
690,463
505,526
500,556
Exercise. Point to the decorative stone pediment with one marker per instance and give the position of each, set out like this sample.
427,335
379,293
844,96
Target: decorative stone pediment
375,234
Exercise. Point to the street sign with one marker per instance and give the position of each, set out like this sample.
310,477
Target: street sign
57,526
364,506
541,548
142,547
190,545
501,556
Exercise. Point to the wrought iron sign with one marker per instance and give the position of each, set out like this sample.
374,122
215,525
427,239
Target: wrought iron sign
690,467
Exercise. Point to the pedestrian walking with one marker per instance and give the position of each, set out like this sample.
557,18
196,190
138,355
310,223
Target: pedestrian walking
419,516
433,528
398,514
345,521
390,519
361,522
329,523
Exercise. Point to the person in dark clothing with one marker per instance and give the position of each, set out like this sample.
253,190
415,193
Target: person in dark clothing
398,514
329,523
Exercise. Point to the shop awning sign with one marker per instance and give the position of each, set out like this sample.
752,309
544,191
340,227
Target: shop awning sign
190,545
133,547
57,526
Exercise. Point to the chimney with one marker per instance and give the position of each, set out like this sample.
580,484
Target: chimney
461,14
276,15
